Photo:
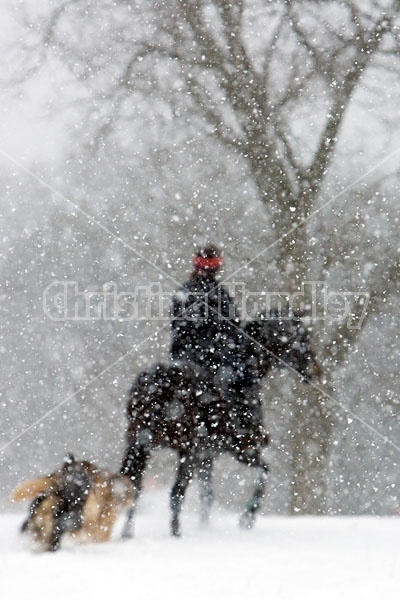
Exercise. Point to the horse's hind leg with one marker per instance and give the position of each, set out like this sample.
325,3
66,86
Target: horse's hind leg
133,465
184,476
206,487
253,505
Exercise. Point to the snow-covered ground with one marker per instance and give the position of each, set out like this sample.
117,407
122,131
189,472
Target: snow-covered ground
336,558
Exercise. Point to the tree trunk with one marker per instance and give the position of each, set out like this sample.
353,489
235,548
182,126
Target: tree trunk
312,432
312,424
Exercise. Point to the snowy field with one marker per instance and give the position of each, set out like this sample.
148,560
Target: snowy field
282,558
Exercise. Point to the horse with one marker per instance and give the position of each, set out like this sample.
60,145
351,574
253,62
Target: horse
176,405
79,499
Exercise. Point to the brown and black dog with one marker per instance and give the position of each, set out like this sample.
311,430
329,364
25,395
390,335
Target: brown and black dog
79,499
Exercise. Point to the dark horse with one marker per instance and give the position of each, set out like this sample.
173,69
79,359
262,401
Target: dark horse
175,405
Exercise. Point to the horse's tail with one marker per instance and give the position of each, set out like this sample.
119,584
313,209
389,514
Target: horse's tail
146,383
28,490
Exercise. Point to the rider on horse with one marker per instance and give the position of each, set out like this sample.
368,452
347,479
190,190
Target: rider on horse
206,331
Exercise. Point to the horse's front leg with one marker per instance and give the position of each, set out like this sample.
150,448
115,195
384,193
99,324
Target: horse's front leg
254,504
206,487
133,465
183,478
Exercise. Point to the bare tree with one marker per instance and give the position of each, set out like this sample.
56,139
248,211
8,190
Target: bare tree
256,75
272,83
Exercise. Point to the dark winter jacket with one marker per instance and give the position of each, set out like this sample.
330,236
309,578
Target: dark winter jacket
205,323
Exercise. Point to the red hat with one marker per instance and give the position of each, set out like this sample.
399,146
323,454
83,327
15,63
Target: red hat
208,259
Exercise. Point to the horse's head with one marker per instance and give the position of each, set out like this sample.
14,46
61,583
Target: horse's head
282,340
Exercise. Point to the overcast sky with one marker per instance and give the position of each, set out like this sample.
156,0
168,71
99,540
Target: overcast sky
28,132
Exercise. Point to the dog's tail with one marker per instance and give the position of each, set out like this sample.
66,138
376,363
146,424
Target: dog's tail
28,490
